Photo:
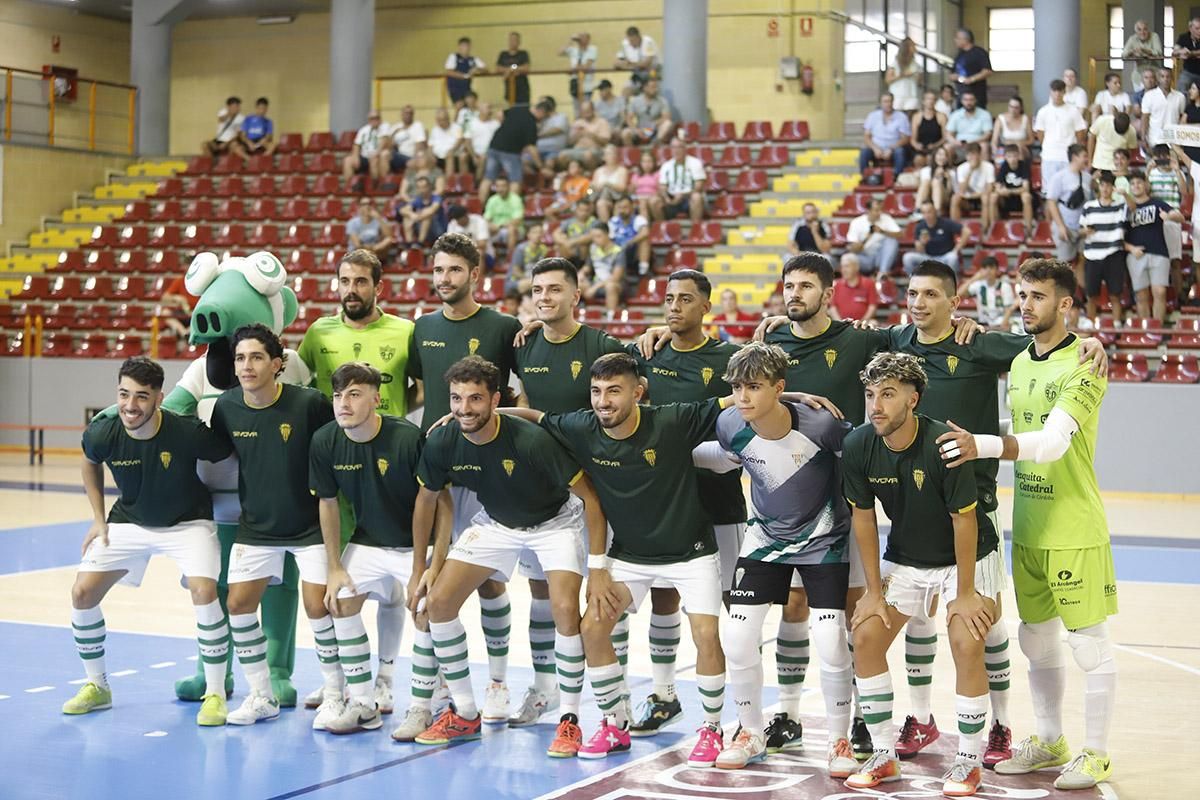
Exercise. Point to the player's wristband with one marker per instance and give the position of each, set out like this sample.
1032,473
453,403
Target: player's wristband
597,562
989,446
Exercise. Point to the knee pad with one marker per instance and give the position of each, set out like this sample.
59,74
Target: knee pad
1092,649
1040,644
827,628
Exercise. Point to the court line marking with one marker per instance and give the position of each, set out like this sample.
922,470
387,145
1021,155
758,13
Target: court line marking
162,664
424,753
1157,658
39,689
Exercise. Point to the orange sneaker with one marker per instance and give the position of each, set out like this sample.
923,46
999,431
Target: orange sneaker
962,780
568,738
450,727
880,768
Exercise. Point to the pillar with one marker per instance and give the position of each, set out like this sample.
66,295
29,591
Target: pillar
351,63
150,70
1055,46
685,58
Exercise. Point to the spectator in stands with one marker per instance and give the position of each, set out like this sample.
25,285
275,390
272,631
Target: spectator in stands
573,237
928,127
553,129
680,185
530,251
1149,82
1112,98
972,67
1073,93
937,180
479,137
970,124
1066,194
423,218
973,186
1161,106
1012,128
639,55
1191,116
1057,126
511,302
467,113
514,64
1121,175
581,56
1149,262
1109,133
177,303
517,135
610,106
422,165
632,232
901,77
808,233
775,306
1169,184
725,322
460,220
1102,226
645,184
854,297
1144,48
886,133
504,212
647,117
368,229
1187,47
947,100
445,138
229,124
936,238
570,187
408,137
875,238
1013,190
995,300
257,134
460,67
603,277
588,136
609,182
369,143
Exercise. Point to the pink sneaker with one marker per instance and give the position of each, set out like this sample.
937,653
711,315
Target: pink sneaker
607,740
708,746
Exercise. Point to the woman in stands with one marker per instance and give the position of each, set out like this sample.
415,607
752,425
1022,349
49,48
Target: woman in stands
645,183
609,181
902,77
1012,127
937,181
929,130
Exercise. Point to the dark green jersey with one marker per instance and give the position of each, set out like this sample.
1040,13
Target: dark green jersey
688,376
437,343
272,445
378,477
521,476
828,363
646,482
917,490
156,476
554,375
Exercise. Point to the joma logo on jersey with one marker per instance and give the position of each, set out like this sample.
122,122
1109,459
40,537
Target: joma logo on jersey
604,462
669,373
508,465
347,467
536,370
830,357
472,346
706,375
382,465
245,434
430,343
650,456
165,458
471,467
285,430
952,363
130,462
576,368
919,478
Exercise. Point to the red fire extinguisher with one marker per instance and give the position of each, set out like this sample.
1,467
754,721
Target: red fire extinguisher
806,79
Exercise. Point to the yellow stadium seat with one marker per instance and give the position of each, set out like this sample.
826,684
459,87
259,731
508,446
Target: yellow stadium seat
155,169
93,214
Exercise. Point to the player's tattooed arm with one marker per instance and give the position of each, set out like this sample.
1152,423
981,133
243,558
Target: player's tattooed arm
93,485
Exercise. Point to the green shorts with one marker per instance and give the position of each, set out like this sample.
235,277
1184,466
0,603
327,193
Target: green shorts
1079,586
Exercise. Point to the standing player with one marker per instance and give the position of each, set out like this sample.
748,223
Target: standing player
935,547
1062,560
163,509
524,481
271,426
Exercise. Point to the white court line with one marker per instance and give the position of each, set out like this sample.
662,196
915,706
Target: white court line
122,673
79,682
3,697
37,689
162,664
1159,659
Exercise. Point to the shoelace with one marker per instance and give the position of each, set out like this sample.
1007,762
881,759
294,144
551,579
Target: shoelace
909,729
958,772
569,730
998,739
1075,763
877,762
1027,748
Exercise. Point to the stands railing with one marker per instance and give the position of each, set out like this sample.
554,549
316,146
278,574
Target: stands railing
1100,65
943,61
66,110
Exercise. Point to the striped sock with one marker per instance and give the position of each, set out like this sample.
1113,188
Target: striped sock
389,619
568,656
999,670
327,654
88,626
250,644
424,669
212,634
450,645
791,665
920,648
354,655
541,644
972,720
712,696
664,644
608,686
496,617
620,640
876,699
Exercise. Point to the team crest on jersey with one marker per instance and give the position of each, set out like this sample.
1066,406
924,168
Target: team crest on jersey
387,352
706,375
357,347
919,478
285,431
165,458
472,346
508,465
576,368
650,456
830,357
382,464
952,363
1051,392
1032,383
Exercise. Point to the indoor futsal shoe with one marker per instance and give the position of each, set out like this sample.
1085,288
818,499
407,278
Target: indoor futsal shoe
1033,754
962,779
416,721
568,738
90,697
608,740
213,711
880,768
915,736
784,733
1085,771
450,727
656,715
999,745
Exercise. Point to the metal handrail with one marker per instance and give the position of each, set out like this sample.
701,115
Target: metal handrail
891,38
92,83
510,80
1094,61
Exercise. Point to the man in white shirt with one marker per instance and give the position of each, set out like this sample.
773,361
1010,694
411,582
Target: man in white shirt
476,227
680,185
369,142
639,55
1161,106
407,135
444,140
973,186
1074,95
1112,98
582,55
1057,126
875,238
479,136
995,300
229,122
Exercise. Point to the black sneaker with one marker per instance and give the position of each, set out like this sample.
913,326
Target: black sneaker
784,733
656,715
860,740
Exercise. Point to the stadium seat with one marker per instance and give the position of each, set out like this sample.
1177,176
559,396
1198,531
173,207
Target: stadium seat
229,211
412,260
296,236
260,210
1005,233
704,234
900,204
166,211
295,209
99,261
169,187
260,185
650,292
292,186
289,164
300,261
735,156
460,183
168,348
750,181
137,211
772,156
331,234
1128,368
165,262
837,233
728,206
61,317
126,346
94,345
1000,256
411,290
757,131
665,233
329,262
345,141
199,187
304,317
330,208
853,205
887,177
630,156
97,287
128,288
886,289
327,290
233,235
64,287
260,163
718,133
197,211
1136,335
60,344
195,237
102,236
491,290
795,130
230,186
628,324
69,261
1041,237
716,181
1178,368
321,163
681,258
290,143
1186,334
131,261
129,317
198,165
324,186
319,141
305,288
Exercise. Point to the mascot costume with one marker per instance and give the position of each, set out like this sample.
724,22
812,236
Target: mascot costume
233,293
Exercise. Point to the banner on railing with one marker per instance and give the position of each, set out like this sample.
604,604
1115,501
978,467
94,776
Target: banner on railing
1184,135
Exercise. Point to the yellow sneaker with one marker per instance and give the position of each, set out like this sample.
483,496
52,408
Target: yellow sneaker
213,711
1085,771
90,697
1034,754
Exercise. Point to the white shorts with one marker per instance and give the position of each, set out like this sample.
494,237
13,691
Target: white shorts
192,545
557,544
466,506
911,590
381,573
698,582
252,562
1173,236
729,547
858,579
1147,271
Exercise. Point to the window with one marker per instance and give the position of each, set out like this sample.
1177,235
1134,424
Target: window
1010,35
862,50
1116,35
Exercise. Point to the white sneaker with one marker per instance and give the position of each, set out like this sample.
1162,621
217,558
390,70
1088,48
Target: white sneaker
495,704
383,696
747,747
355,717
440,702
314,698
332,707
254,708
416,721
533,706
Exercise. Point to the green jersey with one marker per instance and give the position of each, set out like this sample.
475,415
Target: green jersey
156,476
521,476
918,492
646,482
1057,506
689,376
384,344
828,363
555,375
378,477
272,445
437,343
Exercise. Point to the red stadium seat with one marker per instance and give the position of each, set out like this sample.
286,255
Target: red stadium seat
1136,334
900,204
651,292
1041,236
64,316
229,211
330,208
69,261
728,206
290,163
230,186
195,237
1178,368
795,130
59,344
99,261
290,143
319,140
837,233
719,133
412,260
704,234
97,287
772,156
260,186
345,141
292,186
169,187
197,211
853,205
1186,334
296,236
1128,368
757,131
716,181
229,236
300,261
331,234
412,290
887,177
460,183
322,163
137,211
199,187
128,288
631,156
1000,256
94,345
126,346
103,236
198,165
690,131
665,233
165,262
886,289
681,258
260,163
305,288
1005,233
166,211
734,156
750,181
490,290
64,287
295,209
260,210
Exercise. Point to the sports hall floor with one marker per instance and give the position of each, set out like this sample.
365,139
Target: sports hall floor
148,745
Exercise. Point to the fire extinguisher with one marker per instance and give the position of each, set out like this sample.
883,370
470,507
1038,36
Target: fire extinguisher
806,79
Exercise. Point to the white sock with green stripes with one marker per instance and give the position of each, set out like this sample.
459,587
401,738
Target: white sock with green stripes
920,648
327,655
450,645
664,644
389,619
876,697
620,640
88,626
541,644
999,670
712,696
424,669
212,634
791,665
496,617
568,657
250,644
972,715
354,656
608,687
